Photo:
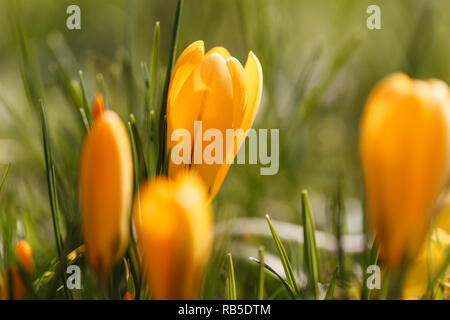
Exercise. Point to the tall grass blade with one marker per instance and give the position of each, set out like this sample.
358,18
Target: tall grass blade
154,67
28,66
153,143
101,85
162,116
5,174
231,282
53,195
147,117
142,169
151,85
70,87
135,157
290,290
84,98
330,291
85,120
284,258
311,255
260,293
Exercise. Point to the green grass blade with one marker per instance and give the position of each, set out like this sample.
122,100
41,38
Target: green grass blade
231,282
84,98
311,255
101,85
260,293
162,116
85,120
154,66
53,195
28,65
284,258
134,153
151,85
5,174
132,250
290,290
130,82
153,143
51,181
330,291
62,55
147,117
142,169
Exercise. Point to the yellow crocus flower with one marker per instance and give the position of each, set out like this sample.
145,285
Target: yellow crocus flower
416,280
25,259
174,225
105,189
405,156
442,220
217,90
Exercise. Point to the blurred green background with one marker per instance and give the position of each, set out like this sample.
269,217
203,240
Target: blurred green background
319,63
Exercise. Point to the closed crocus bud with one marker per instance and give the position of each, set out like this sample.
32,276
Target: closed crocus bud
174,225
217,90
105,189
25,259
405,156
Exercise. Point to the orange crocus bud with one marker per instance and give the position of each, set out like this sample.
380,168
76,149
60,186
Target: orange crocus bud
217,90
105,189
127,296
174,225
24,254
405,156
25,259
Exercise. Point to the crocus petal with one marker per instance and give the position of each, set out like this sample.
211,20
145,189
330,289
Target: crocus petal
254,85
219,50
216,112
254,74
189,59
238,80
208,87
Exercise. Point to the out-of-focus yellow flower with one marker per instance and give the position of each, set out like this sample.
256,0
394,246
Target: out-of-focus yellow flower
216,89
174,226
442,220
25,259
105,189
416,279
405,155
